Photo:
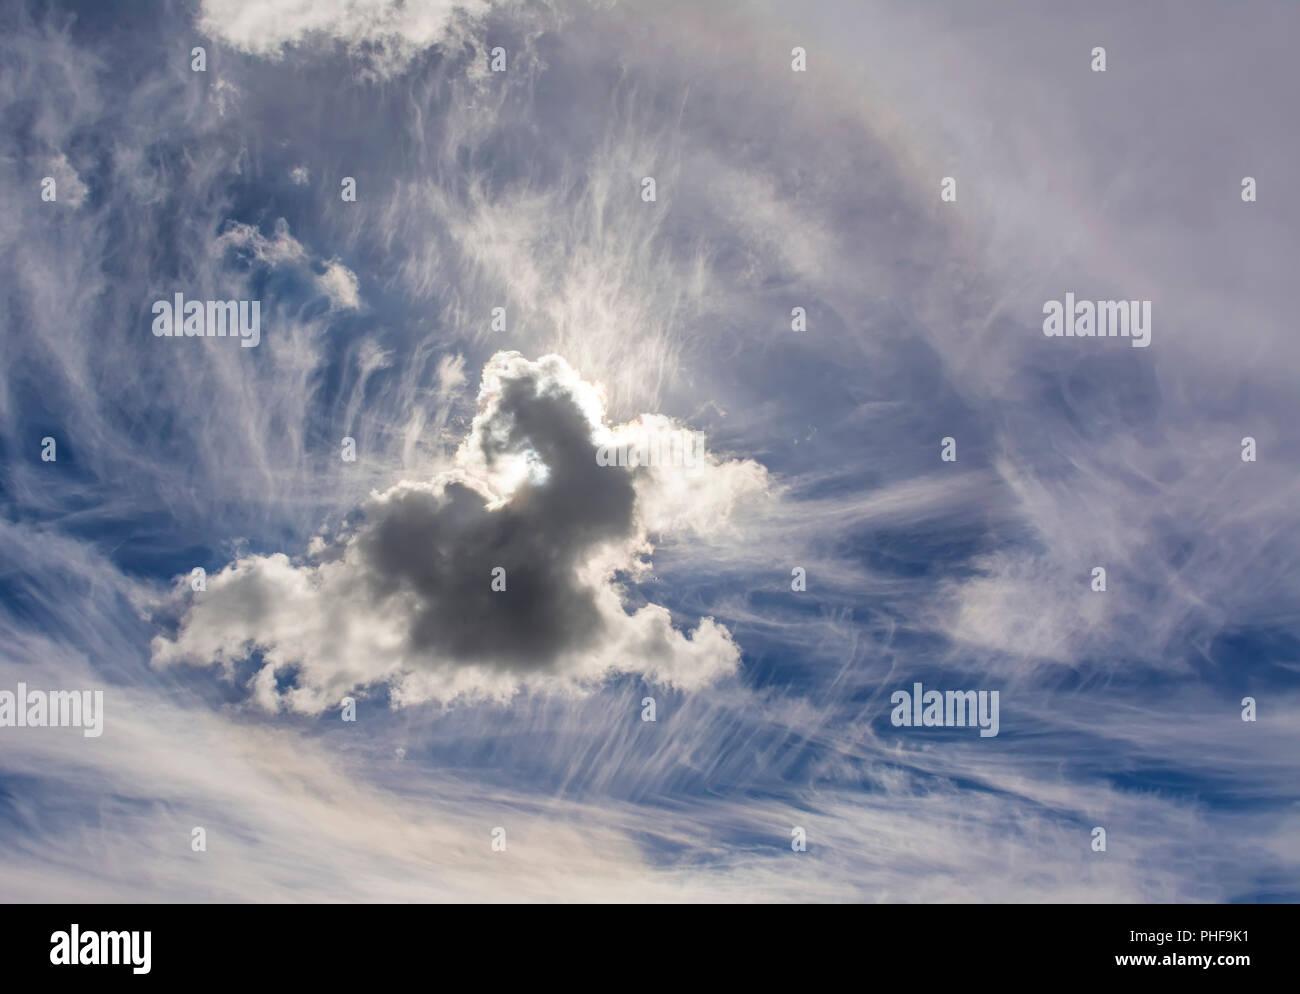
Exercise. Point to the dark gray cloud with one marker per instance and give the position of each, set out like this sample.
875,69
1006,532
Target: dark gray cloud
440,548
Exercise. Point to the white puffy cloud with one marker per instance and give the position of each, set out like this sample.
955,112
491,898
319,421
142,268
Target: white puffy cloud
406,596
341,285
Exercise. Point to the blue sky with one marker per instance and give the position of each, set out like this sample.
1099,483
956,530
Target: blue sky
522,709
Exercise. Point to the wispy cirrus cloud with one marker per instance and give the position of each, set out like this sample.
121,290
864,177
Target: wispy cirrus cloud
520,190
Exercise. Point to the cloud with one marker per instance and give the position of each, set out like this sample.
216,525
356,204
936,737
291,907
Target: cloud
408,596
280,248
521,190
69,188
341,285
337,281
387,34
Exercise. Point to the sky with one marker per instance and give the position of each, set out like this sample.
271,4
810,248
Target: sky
681,685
